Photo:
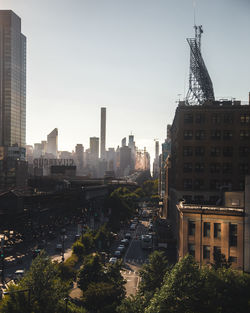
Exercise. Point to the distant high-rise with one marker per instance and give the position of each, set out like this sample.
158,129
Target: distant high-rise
124,142
103,133
12,81
52,145
94,148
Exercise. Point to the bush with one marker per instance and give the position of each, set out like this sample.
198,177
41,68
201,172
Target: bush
78,249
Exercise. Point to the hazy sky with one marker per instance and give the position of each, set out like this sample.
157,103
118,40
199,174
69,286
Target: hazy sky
130,56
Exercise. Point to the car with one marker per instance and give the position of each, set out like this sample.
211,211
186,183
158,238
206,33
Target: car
59,247
132,226
125,242
128,236
117,254
77,237
121,248
18,275
113,260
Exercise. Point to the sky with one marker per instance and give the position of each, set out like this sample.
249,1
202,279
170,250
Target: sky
130,56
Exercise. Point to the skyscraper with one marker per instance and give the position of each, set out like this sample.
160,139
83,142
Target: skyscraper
12,81
94,148
52,142
13,168
103,133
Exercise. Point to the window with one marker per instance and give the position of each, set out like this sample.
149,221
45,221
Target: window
228,118
191,249
242,185
215,168
217,250
244,151
214,184
187,167
187,198
213,199
200,134
216,134
200,118
191,228
244,134
199,167
227,151
233,235
187,151
245,118
206,252
227,134
198,184
188,134
216,119
199,199
217,230
206,229
243,168
233,259
199,151
215,151
187,184
188,118
227,168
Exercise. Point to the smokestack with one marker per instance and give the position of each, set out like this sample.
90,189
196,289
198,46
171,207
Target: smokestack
103,133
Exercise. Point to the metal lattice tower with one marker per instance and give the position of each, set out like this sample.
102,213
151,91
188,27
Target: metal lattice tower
200,84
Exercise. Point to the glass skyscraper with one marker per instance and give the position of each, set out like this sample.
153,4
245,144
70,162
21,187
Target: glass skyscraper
12,81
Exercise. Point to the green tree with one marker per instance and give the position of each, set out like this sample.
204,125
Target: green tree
152,273
88,242
90,272
46,289
132,304
220,260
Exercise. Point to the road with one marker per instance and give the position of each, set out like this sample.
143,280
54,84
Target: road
134,258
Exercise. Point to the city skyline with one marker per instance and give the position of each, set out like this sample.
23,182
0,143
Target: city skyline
130,57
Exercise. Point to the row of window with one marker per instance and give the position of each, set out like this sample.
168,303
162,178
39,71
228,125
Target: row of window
215,151
200,118
206,252
214,184
216,233
215,134
225,168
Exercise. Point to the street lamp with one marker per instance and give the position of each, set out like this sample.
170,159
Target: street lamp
63,237
66,304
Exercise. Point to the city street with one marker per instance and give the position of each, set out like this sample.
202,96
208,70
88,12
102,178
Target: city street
134,258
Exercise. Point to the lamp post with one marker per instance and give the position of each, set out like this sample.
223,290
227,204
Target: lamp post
66,304
63,237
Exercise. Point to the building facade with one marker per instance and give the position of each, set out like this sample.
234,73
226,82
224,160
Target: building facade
103,133
210,150
12,101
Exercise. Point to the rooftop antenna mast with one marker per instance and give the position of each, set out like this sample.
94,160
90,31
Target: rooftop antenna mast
200,84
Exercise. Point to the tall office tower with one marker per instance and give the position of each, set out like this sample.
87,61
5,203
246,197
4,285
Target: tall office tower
103,133
124,142
52,143
12,100
125,161
12,81
94,148
156,160
79,151
131,145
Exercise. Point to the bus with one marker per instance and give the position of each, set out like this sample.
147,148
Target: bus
146,242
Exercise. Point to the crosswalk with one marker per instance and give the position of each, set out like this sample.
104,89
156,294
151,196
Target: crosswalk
137,261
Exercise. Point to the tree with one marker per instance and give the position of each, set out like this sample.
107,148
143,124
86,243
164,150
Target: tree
46,290
132,304
220,260
152,273
90,272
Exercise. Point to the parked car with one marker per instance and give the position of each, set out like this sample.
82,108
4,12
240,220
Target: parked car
18,275
113,260
59,247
